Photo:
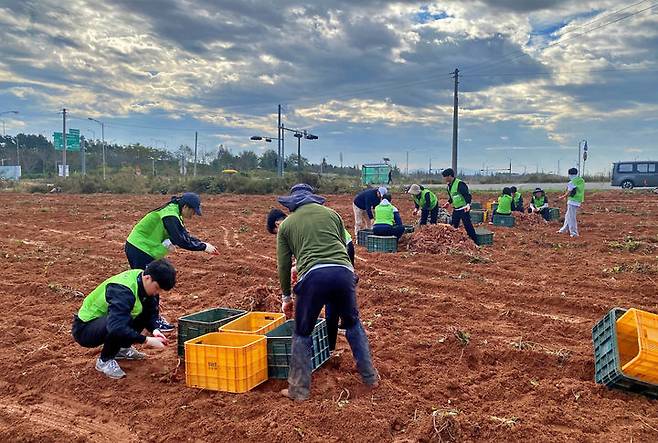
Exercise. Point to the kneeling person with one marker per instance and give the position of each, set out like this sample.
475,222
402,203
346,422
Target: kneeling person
387,219
118,310
539,204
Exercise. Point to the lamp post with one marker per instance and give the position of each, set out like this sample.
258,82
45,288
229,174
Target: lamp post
579,155
299,133
102,140
3,121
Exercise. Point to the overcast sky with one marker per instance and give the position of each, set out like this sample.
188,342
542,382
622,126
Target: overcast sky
370,78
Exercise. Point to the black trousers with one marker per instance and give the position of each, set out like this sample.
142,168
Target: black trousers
433,215
544,213
387,230
464,217
137,259
94,333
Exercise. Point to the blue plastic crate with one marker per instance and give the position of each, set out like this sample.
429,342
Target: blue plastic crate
607,367
362,236
279,348
503,220
380,243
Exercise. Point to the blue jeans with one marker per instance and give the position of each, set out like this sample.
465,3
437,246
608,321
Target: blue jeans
333,286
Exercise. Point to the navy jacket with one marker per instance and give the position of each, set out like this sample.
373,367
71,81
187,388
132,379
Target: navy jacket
121,301
366,200
179,235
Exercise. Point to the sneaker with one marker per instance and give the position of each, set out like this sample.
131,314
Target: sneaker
129,354
163,325
110,368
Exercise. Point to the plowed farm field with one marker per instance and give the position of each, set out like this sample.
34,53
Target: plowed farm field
492,344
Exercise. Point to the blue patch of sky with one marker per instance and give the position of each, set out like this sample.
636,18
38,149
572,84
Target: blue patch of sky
547,32
424,16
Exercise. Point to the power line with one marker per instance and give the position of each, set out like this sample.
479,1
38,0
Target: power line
582,71
507,58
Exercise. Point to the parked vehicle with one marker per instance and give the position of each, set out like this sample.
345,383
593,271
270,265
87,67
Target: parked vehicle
629,175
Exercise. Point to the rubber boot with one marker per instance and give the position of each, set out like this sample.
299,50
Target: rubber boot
358,341
299,377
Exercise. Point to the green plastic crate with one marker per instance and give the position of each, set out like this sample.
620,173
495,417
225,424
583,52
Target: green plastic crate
380,243
408,229
477,216
476,205
279,348
362,236
503,220
484,236
202,323
553,214
607,367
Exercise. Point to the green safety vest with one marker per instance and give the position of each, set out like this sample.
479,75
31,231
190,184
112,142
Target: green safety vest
384,215
580,190
517,197
95,305
458,200
346,236
504,205
149,233
538,202
420,199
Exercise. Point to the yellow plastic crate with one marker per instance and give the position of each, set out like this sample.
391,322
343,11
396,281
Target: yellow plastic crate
637,337
254,323
226,362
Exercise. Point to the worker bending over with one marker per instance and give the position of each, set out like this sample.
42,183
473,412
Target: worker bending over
313,234
425,202
363,204
460,199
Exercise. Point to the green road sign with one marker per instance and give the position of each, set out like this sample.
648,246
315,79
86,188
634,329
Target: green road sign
72,140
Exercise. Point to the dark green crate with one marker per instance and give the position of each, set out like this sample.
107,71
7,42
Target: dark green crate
607,364
476,205
408,229
379,243
362,236
204,322
553,214
503,220
477,216
484,236
279,348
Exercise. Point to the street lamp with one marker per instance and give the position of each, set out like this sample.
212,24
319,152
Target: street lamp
103,140
579,157
3,121
299,133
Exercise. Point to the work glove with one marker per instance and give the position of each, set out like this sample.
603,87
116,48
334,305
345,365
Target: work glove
415,212
287,306
169,245
161,336
210,249
155,342
467,208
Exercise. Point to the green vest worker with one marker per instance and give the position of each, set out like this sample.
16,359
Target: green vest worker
539,204
160,231
505,202
426,202
387,220
517,199
460,199
576,197
118,310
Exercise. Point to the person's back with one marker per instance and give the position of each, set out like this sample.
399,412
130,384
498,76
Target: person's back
504,205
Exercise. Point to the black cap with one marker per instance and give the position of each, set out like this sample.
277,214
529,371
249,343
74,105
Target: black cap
192,200
448,172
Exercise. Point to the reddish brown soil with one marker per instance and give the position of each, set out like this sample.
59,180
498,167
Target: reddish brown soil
528,303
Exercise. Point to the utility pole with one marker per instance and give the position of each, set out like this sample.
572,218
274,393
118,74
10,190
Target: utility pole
455,118
299,152
82,155
430,168
279,168
196,137
64,142
341,160
558,166
407,169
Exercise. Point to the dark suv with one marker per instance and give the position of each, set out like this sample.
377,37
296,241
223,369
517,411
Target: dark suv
631,174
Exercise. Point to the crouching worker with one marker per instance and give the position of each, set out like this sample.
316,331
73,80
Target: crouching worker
313,234
115,313
517,199
387,219
539,204
505,202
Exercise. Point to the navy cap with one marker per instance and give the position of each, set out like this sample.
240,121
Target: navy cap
192,200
